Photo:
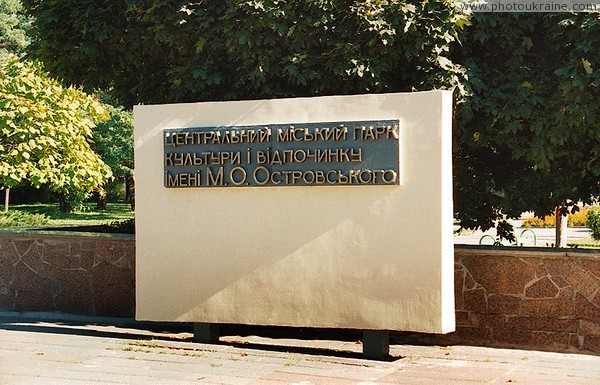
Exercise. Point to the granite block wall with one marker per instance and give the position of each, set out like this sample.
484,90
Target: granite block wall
505,297
537,298
68,273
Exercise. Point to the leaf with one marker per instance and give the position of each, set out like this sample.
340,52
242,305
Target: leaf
444,62
527,84
526,42
200,43
587,66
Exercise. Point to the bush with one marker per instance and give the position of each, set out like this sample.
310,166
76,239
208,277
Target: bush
593,221
125,227
578,219
119,227
547,221
22,219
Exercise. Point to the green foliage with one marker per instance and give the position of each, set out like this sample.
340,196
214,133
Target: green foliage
22,219
91,37
14,28
113,141
45,132
528,139
593,222
168,51
527,131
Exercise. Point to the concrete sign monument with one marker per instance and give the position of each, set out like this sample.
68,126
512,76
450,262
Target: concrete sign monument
330,212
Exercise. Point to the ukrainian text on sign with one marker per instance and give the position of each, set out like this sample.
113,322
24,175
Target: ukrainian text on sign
314,154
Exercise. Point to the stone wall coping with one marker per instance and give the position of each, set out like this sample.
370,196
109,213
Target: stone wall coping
526,252
39,232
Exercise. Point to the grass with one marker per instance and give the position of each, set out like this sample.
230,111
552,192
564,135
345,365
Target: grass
86,215
588,243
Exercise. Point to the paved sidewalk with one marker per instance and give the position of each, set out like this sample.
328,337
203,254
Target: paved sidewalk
44,348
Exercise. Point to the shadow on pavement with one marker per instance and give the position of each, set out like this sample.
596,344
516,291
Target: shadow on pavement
182,332
95,329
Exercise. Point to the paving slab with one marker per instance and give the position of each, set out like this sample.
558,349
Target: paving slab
46,348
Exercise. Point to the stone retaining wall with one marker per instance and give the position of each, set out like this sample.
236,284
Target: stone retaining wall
67,272
514,297
540,298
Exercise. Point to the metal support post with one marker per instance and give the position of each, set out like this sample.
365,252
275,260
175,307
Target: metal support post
206,333
376,344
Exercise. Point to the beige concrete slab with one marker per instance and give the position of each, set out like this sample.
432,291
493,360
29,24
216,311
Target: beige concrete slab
320,256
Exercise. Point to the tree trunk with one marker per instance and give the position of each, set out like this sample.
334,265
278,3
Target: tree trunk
6,198
130,191
65,205
561,228
101,204
127,190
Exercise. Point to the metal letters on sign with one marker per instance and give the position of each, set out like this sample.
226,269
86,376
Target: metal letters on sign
312,154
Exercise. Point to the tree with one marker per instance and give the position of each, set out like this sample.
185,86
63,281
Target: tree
113,141
45,130
526,135
529,136
14,28
176,51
